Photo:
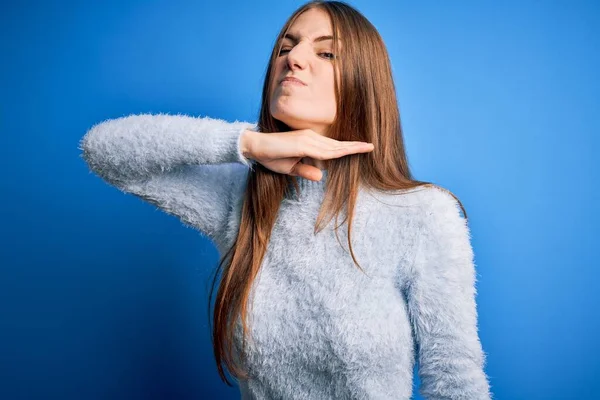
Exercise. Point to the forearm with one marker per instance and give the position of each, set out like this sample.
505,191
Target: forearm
138,146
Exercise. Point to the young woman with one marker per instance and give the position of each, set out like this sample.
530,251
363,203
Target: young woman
303,311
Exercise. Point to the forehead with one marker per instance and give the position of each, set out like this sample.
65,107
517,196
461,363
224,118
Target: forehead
313,24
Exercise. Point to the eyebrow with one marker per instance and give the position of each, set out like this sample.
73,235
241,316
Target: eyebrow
295,39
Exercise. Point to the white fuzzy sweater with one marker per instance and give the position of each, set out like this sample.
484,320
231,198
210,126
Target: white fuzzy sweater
321,329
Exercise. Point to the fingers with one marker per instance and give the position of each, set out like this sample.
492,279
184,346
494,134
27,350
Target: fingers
307,171
329,142
321,153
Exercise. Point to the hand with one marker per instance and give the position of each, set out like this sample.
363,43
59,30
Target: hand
282,152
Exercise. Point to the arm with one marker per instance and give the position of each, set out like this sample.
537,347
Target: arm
442,307
190,167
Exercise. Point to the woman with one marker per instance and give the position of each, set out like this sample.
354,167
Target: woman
297,314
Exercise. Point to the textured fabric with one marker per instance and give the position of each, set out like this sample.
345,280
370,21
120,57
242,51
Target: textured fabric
320,327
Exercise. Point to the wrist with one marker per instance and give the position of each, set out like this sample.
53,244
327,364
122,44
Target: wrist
246,140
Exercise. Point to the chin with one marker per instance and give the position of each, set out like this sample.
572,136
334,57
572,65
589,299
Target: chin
288,117
295,120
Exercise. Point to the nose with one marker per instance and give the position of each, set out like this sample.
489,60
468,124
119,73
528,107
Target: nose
297,56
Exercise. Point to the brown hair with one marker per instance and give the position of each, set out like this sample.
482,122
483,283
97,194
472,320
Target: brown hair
367,110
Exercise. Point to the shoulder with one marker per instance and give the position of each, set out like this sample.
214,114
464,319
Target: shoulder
428,198
433,199
441,213
427,207
420,201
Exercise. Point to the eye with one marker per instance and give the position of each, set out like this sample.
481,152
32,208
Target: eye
329,55
332,56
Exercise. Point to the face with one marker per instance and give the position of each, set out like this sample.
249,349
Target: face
308,57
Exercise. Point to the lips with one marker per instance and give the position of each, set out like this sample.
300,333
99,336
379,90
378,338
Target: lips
292,79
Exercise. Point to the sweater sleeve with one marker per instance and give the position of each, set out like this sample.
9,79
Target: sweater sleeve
189,167
442,307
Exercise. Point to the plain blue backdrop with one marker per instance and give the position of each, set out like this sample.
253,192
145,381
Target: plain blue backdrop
103,296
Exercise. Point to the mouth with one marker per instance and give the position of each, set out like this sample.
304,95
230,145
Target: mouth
289,80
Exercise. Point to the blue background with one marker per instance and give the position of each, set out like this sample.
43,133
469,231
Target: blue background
103,296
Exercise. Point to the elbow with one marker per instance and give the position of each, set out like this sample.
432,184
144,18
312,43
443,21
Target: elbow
86,148
99,150
90,147
472,386
453,376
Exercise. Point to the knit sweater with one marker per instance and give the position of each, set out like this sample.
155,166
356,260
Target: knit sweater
320,327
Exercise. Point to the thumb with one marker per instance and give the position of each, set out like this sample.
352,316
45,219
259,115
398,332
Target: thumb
306,171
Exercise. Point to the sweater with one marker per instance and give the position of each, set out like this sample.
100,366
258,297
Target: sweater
321,328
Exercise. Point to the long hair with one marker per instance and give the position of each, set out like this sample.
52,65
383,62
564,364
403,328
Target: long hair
367,110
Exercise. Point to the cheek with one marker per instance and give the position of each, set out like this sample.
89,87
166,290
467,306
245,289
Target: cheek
327,86
276,75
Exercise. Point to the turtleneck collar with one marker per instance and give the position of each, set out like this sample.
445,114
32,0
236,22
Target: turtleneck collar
309,187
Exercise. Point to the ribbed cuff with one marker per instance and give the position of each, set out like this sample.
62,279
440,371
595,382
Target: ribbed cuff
241,158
